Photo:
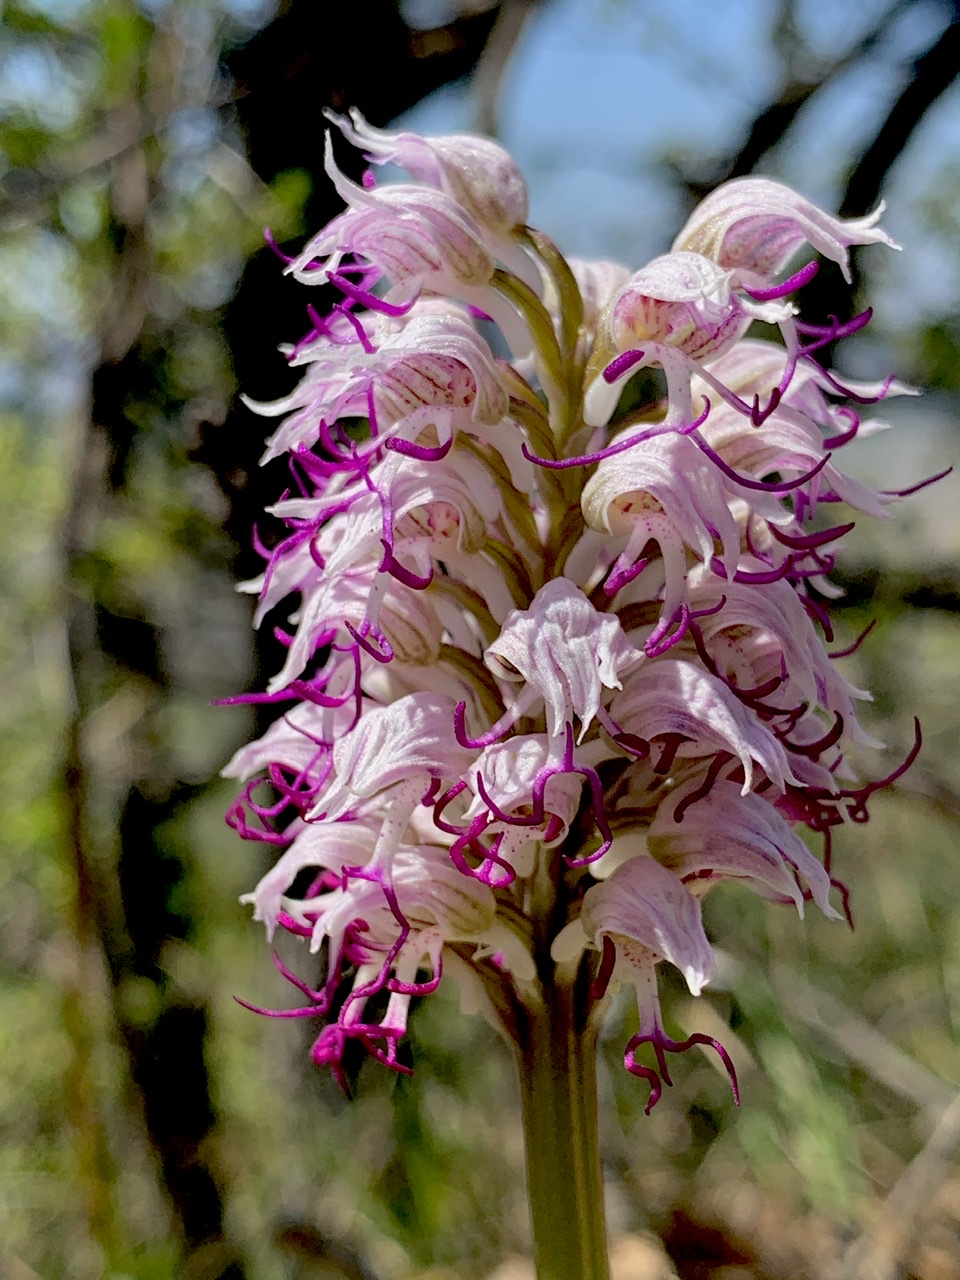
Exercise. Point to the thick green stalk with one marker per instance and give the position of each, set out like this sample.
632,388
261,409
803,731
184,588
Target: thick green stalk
558,1088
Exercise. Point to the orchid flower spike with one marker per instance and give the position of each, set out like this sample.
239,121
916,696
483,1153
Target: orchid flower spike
554,667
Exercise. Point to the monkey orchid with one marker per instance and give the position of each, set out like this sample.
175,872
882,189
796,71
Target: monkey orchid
553,668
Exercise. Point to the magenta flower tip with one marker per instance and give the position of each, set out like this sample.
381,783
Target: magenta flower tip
795,282
616,369
662,1045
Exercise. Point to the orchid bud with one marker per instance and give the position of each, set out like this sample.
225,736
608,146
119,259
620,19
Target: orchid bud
476,172
754,225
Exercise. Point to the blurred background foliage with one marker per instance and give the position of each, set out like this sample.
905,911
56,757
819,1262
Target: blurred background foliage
149,1126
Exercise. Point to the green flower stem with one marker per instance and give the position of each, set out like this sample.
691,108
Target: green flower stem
570,303
558,1087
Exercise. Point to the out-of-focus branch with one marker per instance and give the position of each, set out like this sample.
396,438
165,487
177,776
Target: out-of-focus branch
84,989
919,589
492,66
933,73
109,650
769,125
314,55
862,1043
803,78
95,918
897,1220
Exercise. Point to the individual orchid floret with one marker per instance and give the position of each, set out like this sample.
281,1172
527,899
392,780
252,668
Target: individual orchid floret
388,932
291,741
431,372
565,653
764,646
664,492
438,359
797,435
414,236
650,915
724,835
294,759
685,712
679,312
324,847
401,749
476,172
677,309
641,915
755,226
362,615
523,792
680,300
427,508
429,892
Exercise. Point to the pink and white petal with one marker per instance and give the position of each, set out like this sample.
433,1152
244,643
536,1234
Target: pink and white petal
726,831
477,172
647,905
566,650
756,225
673,696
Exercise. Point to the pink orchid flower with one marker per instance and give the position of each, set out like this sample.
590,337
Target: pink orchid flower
554,665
